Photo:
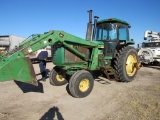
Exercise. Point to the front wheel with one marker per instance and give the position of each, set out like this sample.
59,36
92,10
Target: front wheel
81,84
56,77
126,63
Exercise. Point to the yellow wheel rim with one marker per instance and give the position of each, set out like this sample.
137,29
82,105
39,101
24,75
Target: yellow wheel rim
60,78
84,85
131,65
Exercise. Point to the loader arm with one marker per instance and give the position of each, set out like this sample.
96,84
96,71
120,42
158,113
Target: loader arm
15,65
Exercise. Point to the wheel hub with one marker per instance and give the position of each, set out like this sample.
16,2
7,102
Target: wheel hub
131,65
59,78
84,85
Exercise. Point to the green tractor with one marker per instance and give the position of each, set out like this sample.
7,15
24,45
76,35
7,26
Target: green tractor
106,51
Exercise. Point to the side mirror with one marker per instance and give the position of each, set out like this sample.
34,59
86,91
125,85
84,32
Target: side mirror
129,26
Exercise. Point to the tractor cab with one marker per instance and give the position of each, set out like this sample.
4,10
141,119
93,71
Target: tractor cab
112,29
112,32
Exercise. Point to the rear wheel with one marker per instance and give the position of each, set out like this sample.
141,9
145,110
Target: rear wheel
56,77
81,84
125,64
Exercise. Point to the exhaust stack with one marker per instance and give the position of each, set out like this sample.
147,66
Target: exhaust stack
89,26
95,25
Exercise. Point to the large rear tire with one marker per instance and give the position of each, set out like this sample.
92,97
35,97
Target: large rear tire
56,78
81,84
125,64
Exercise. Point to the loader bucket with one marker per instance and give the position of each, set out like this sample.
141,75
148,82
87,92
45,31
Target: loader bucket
20,69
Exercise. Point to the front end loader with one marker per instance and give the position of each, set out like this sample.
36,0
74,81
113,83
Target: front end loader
105,50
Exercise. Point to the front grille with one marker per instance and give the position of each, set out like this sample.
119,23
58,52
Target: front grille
70,57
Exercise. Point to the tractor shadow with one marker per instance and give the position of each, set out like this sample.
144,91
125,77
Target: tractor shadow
68,91
103,80
27,87
157,67
52,114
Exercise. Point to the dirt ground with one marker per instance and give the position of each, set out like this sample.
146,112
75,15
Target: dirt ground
109,100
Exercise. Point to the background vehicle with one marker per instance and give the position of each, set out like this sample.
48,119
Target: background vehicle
8,42
105,50
149,52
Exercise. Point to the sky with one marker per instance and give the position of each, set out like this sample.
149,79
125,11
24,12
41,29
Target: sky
26,17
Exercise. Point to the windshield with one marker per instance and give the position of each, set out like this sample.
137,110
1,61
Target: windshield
151,44
123,32
106,32
112,31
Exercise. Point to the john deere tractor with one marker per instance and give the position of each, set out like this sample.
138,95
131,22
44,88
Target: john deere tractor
105,50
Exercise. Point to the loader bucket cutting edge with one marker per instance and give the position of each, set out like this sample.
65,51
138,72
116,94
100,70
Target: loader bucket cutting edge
20,69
